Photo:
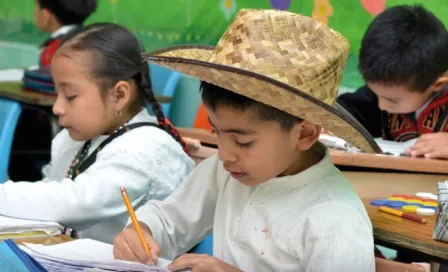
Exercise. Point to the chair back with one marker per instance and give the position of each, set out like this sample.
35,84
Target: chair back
164,82
204,247
9,116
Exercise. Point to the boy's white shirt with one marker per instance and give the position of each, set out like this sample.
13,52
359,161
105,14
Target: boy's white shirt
62,30
313,221
146,160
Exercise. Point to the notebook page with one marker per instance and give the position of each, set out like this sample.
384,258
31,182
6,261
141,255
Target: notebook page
395,147
391,147
11,75
16,225
88,253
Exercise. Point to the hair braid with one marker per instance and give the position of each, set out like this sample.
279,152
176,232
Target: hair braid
163,123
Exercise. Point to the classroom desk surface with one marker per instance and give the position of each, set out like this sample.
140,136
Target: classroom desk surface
45,240
341,158
388,229
13,90
376,184
391,230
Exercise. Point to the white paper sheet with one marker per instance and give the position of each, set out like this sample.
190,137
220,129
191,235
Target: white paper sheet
390,147
11,75
9,225
86,253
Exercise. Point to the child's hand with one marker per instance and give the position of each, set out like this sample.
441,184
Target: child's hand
127,246
431,145
201,263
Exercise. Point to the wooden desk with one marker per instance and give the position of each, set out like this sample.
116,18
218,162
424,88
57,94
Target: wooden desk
376,161
42,102
340,158
391,230
398,232
376,185
13,91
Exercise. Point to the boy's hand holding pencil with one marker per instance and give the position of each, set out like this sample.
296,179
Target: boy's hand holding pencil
136,242
128,246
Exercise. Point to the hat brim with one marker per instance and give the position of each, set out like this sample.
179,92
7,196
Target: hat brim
192,60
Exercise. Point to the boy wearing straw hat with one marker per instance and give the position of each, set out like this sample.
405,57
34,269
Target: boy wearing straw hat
272,197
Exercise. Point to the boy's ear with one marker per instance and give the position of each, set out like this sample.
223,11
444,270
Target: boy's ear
440,83
307,134
47,16
120,94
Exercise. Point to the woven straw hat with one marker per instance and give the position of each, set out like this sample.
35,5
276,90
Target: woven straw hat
285,60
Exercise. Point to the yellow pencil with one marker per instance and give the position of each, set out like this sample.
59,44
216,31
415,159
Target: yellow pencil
134,220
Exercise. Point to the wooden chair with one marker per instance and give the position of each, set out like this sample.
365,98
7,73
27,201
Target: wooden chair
10,111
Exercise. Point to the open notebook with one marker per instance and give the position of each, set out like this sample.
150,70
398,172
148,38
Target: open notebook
20,228
388,147
85,255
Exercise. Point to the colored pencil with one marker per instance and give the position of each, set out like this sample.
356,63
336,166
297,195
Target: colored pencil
403,214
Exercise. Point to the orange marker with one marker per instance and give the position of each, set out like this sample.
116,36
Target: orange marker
135,221
403,214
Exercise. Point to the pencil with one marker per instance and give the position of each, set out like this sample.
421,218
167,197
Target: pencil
403,215
134,220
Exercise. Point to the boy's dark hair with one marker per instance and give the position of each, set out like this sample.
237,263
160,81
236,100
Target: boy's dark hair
69,12
404,45
117,54
214,96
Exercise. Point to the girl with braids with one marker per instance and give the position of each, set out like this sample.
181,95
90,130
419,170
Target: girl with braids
109,140
163,123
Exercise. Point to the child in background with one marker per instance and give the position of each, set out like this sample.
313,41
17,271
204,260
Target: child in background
272,197
109,139
404,61
58,18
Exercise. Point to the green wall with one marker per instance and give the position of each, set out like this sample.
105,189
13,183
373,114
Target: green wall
162,23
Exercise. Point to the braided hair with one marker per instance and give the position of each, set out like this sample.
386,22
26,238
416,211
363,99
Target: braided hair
117,54
144,81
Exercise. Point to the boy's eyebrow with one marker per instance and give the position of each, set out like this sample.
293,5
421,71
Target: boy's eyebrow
390,99
234,130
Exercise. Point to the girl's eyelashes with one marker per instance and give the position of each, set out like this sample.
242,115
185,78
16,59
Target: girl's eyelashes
70,98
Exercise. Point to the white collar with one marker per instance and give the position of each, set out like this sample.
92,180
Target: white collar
62,30
141,116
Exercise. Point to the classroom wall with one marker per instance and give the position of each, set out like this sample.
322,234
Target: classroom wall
171,22
162,23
